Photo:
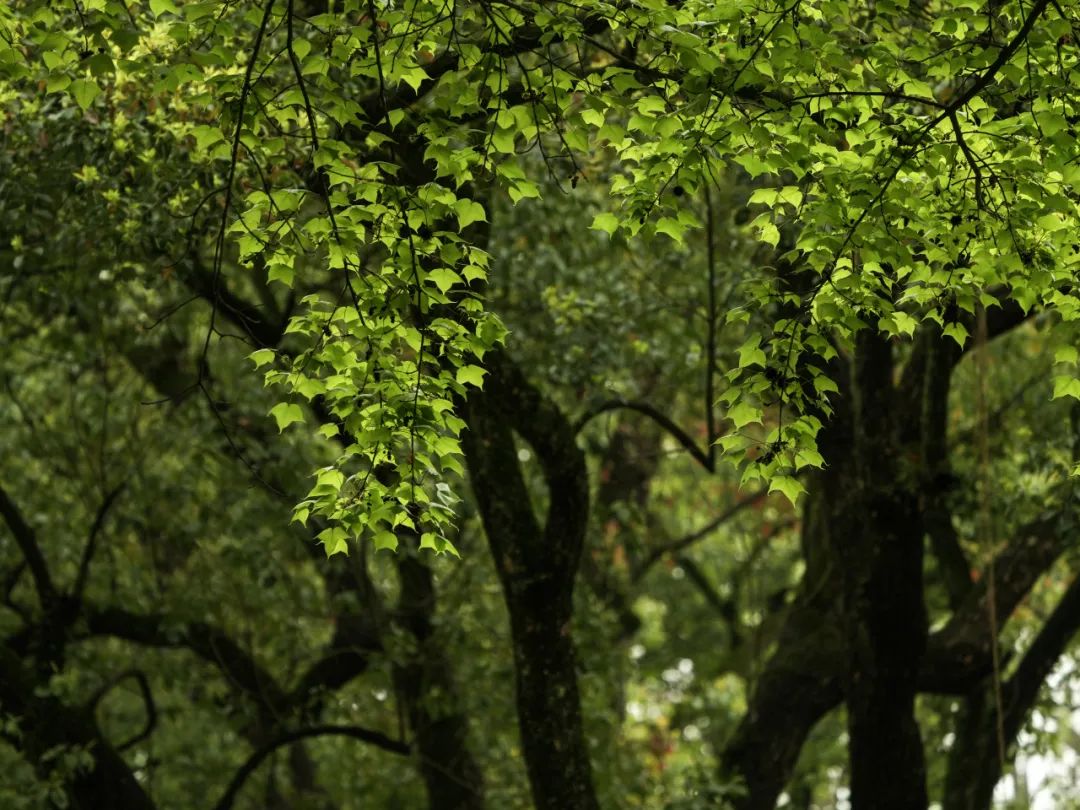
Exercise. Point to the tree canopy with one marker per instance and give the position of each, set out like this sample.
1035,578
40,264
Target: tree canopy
732,343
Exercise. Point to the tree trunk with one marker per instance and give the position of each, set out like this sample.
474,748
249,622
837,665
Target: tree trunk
451,775
884,612
537,567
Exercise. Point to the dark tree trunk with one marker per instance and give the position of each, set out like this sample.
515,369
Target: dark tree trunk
857,628
537,565
452,777
974,748
884,611
798,687
548,704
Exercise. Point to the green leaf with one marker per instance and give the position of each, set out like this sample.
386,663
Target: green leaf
743,413
825,385
159,7
444,278
281,273
468,212
594,118
957,332
504,141
1066,354
769,234
672,228
791,488
523,189
606,222
335,540
471,375
285,413
84,92
751,354
384,540
808,457
1066,386
57,83
262,356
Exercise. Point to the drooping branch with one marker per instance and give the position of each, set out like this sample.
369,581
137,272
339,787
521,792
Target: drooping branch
375,738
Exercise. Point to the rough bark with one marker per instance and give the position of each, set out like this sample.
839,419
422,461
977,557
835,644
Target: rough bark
537,565
451,775
884,611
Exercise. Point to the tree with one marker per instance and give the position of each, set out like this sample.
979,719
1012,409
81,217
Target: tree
908,172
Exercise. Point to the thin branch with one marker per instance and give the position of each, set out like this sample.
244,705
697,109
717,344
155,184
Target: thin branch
1004,56
725,608
971,159
375,738
681,544
26,539
676,432
91,542
219,243
148,702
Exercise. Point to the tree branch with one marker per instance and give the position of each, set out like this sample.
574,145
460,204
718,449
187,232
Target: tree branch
26,539
540,423
375,738
91,541
148,701
264,332
1004,56
1021,690
681,436
11,579
211,644
675,546
959,654
51,725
